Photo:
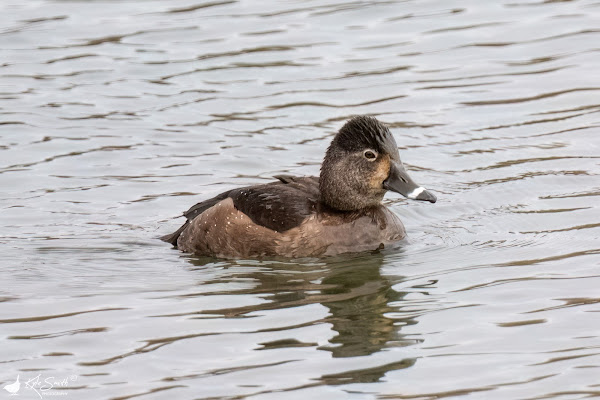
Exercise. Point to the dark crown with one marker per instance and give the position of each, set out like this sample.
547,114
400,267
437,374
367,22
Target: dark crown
363,132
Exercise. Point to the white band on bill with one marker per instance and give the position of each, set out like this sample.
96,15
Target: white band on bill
413,195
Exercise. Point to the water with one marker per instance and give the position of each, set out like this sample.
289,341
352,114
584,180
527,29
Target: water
117,116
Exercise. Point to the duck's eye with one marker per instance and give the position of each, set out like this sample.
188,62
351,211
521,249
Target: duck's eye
370,155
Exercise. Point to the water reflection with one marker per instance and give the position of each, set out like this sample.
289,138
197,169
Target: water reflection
351,287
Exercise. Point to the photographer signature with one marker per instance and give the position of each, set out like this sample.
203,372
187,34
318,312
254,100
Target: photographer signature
42,387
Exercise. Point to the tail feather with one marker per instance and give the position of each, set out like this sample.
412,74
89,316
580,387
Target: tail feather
172,237
191,214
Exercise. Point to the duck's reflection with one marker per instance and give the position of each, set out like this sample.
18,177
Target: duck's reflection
351,287
359,304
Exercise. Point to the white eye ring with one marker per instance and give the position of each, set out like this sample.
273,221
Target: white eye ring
370,155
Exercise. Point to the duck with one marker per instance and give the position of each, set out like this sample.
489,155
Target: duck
340,211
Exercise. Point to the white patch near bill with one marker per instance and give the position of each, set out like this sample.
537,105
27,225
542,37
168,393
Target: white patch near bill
416,192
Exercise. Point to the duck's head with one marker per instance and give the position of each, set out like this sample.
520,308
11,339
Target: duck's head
362,164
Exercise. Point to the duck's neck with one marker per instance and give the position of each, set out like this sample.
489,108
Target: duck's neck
341,189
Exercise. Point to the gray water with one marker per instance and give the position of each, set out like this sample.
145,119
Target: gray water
116,116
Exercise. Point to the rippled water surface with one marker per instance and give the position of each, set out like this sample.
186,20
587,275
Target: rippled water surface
115,116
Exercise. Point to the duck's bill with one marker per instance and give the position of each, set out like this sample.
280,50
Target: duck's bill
400,182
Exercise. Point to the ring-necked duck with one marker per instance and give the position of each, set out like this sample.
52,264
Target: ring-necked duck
338,212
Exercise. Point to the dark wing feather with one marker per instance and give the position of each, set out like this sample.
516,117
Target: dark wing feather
192,213
199,208
279,206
